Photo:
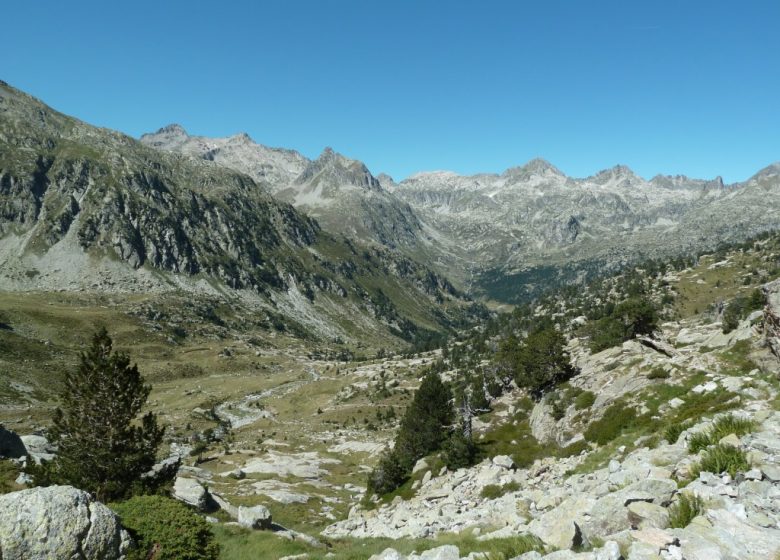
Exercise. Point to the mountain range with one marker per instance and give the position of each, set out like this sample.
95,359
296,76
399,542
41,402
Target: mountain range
78,204
504,235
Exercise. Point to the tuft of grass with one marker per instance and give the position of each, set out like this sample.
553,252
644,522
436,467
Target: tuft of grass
617,418
723,426
493,491
584,400
673,431
698,441
684,510
721,458
658,373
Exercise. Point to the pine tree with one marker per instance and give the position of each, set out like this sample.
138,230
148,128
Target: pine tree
102,447
426,422
542,362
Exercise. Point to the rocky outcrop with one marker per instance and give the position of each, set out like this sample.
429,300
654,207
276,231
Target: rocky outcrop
772,317
59,522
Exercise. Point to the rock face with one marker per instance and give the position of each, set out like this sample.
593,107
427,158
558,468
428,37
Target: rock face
772,317
59,522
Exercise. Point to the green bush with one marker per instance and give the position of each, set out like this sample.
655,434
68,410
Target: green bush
684,510
673,431
723,426
168,527
616,418
584,400
459,451
721,458
388,475
493,491
658,373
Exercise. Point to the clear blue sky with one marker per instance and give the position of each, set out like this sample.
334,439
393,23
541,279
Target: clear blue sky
677,86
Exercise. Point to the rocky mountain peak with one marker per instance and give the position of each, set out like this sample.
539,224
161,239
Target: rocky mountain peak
620,175
167,137
338,170
242,138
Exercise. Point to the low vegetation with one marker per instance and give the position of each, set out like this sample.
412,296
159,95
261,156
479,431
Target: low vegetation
682,512
720,459
165,529
722,427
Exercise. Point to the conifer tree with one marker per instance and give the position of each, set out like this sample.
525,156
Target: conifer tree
427,421
102,446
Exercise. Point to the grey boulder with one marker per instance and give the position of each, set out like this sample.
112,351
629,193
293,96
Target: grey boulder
59,522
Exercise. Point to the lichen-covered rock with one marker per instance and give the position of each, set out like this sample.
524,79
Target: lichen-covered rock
59,522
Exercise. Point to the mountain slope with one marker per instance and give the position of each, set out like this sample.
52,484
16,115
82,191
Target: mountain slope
88,208
340,192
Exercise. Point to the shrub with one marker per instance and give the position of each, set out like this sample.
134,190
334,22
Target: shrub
617,418
584,400
673,431
723,426
494,491
165,529
684,510
388,475
632,317
721,458
658,373
459,451
558,405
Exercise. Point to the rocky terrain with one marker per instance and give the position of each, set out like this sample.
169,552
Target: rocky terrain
301,480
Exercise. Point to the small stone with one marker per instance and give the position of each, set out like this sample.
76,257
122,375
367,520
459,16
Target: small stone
24,479
614,466
731,440
610,551
655,537
504,461
753,474
426,478
642,515
676,402
190,491
420,465
771,472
